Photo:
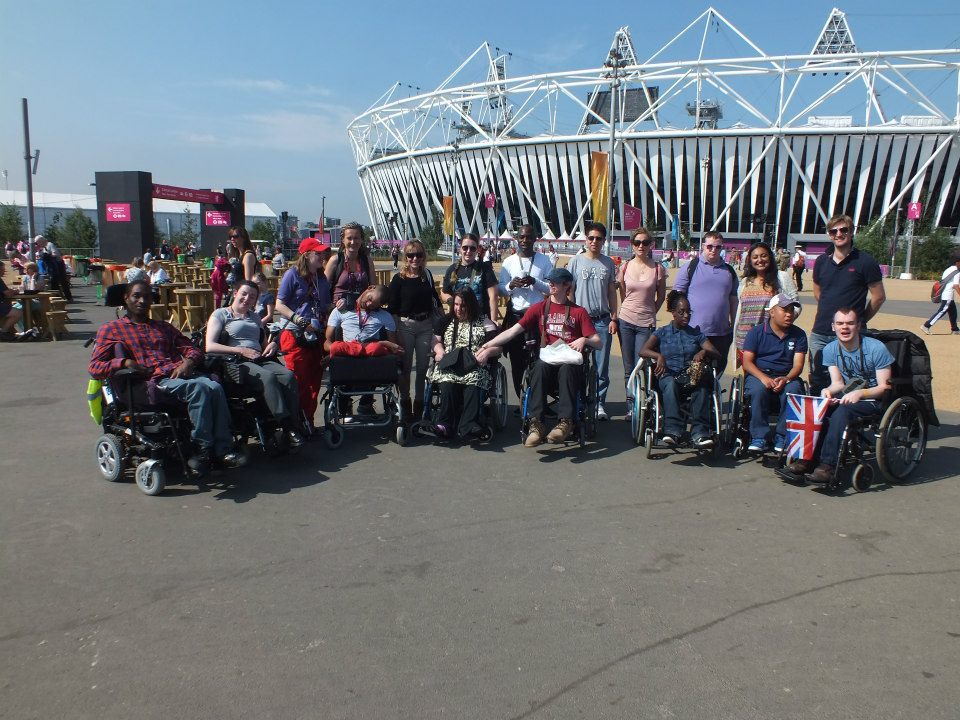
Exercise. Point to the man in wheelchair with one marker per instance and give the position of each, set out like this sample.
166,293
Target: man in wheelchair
773,358
680,354
556,318
860,373
159,353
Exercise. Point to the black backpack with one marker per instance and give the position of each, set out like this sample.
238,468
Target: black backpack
692,266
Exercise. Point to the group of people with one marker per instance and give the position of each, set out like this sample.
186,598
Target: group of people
329,304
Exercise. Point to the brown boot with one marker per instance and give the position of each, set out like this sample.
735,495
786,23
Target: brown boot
535,434
562,431
822,475
800,467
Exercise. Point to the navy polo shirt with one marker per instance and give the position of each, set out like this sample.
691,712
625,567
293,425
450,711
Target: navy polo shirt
842,285
774,355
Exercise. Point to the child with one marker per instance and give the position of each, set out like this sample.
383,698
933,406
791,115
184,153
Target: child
265,301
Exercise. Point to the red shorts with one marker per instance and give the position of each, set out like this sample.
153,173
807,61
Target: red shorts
355,348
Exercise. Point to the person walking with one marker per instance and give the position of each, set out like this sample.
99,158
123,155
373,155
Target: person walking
595,290
711,287
842,277
799,264
949,290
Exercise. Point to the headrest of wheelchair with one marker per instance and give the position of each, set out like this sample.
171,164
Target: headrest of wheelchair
114,295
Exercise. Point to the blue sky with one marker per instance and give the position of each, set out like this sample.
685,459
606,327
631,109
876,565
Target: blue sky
257,95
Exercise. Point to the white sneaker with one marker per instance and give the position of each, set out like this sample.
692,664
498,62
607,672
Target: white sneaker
926,330
602,413
757,447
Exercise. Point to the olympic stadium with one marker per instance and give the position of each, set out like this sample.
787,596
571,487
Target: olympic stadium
708,132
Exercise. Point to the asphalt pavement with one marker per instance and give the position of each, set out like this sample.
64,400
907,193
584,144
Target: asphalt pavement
377,581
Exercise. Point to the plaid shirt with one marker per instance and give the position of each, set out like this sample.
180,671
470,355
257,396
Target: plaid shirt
155,344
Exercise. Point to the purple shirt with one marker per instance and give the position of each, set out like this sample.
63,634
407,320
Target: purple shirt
308,298
709,292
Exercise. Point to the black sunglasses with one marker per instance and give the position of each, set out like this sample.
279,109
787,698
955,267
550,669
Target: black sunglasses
644,243
470,248
841,230
411,256
233,237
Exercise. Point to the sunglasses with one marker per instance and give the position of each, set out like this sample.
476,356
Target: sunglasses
713,247
415,256
594,238
233,237
644,243
468,248
839,230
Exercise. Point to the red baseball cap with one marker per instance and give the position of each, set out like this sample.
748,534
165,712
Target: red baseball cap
308,244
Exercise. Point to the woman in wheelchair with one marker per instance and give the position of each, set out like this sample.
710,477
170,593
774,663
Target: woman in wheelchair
235,331
461,378
861,369
679,352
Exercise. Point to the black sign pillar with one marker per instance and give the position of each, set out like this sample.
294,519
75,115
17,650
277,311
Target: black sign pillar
124,214
215,219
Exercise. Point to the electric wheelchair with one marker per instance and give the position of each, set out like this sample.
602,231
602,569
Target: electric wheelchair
647,419
353,377
585,403
896,436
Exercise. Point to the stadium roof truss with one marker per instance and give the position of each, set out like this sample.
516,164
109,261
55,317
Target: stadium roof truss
801,119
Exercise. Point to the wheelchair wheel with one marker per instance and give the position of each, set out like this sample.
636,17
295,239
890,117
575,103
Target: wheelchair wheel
648,443
498,398
109,457
401,435
861,478
638,417
901,439
590,406
151,477
735,414
332,436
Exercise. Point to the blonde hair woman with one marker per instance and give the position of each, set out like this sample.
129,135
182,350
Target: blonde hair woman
413,300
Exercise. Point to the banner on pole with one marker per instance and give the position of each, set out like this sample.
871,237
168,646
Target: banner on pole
805,416
914,210
599,179
632,217
448,215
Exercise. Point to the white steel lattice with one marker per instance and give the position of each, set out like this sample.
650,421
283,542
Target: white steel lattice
811,135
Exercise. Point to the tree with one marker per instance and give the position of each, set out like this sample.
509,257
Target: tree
79,231
188,230
11,225
53,232
263,230
431,235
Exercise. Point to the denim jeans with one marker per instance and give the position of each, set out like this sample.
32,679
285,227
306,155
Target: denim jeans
819,375
837,422
762,402
208,411
632,338
602,357
670,393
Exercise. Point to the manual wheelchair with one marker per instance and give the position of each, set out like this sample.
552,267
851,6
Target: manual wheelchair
494,409
896,435
647,420
736,433
585,402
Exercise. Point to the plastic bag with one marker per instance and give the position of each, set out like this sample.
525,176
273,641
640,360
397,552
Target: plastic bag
559,353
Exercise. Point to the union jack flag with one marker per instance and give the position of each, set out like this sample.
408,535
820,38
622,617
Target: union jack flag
805,414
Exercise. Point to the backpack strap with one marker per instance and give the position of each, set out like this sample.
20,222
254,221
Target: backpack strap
543,324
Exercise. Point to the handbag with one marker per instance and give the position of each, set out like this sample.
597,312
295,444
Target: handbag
459,361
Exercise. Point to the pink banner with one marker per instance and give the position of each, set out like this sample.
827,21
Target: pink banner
914,211
118,212
490,200
217,218
632,217
172,192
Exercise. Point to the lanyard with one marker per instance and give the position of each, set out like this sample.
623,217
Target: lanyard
850,370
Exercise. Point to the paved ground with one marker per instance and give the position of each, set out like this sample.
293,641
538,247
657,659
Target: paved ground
388,582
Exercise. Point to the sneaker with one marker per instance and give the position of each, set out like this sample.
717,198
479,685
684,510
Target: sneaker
822,475
535,434
602,413
757,446
669,440
778,445
926,330
562,431
703,442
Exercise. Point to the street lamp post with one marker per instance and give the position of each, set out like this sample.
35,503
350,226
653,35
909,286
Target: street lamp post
704,169
615,62
454,161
